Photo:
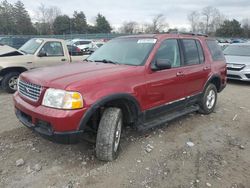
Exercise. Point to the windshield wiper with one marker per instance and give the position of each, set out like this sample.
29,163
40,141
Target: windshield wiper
106,61
88,60
23,51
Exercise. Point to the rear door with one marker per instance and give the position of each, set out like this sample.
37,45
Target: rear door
196,67
55,54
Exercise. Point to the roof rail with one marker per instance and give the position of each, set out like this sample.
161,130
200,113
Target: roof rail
187,33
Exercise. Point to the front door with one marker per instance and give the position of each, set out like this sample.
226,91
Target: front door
52,54
166,86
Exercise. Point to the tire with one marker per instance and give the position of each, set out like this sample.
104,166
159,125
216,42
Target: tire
9,82
108,134
208,100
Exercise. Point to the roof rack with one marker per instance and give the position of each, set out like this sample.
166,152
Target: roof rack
188,33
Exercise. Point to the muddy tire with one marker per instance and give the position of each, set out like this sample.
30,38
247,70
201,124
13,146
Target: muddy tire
109,134
9,82
208,100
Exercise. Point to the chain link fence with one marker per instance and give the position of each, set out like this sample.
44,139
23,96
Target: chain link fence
17,41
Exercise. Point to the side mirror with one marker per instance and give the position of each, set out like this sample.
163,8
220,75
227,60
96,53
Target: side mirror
161,64
42,54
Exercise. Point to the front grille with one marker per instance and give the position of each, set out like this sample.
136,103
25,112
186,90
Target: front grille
233,76
29,90
235,67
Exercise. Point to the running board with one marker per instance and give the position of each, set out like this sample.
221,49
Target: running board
166,118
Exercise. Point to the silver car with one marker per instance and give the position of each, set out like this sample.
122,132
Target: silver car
238,61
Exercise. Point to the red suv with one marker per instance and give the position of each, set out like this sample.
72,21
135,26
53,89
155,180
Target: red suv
143,81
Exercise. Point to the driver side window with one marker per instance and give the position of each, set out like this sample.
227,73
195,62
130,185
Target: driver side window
169,50
52,49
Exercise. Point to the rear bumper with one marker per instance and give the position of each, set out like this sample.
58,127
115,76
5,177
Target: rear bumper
61,125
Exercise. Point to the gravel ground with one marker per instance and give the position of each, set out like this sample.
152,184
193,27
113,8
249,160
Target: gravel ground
194,151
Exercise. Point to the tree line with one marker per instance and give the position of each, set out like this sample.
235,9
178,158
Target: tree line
15,20
211,21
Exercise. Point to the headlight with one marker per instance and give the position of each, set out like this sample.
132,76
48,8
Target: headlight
68,100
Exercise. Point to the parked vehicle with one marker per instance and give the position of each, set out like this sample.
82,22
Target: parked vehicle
238,61
33,54
83,44
143,81
95,45
74,50
15,42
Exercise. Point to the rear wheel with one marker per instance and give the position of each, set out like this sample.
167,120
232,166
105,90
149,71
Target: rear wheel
9,82
208,100
109,134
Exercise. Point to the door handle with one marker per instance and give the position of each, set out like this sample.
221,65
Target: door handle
29,62
206,68
63,59
179,74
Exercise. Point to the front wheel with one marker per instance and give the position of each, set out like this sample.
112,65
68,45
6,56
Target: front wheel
109,134
208,100
9,82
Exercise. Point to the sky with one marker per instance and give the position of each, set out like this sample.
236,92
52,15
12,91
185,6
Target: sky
142,11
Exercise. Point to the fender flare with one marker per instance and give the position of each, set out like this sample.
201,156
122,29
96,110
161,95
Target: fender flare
85,118
217,76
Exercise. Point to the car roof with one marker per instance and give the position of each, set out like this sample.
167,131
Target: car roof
165,35
241,44
49,39
81,40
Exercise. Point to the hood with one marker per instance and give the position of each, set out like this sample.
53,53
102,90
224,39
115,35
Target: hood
16,60
73,75
6,51
238,59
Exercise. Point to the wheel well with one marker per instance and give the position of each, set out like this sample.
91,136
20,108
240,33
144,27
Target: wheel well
128,107
217,82
12,69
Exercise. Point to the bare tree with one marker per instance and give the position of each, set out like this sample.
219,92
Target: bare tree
46,17
212,19
158,24
129,27
194,18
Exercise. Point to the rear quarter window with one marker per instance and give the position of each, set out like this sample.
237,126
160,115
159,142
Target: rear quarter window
215,50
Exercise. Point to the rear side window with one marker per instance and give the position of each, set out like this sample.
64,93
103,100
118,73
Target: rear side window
200,51
191,53
215,50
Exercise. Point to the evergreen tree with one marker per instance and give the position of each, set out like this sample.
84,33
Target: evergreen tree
79,22
62,25
102,25
7,23
230,29
22,20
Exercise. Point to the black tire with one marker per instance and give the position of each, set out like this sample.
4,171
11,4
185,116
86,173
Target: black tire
208,100
6,85
106,141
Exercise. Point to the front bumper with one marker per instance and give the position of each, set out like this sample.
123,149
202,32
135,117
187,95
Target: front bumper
243,74
61,125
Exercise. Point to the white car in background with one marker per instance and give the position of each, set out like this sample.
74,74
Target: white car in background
83,44
238,61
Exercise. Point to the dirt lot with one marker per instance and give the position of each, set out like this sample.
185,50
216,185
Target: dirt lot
219,158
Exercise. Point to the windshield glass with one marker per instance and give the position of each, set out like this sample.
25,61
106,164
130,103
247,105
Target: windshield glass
237,50
132,51
31,46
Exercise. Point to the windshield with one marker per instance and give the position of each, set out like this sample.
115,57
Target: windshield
237,50
132,51
31,46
